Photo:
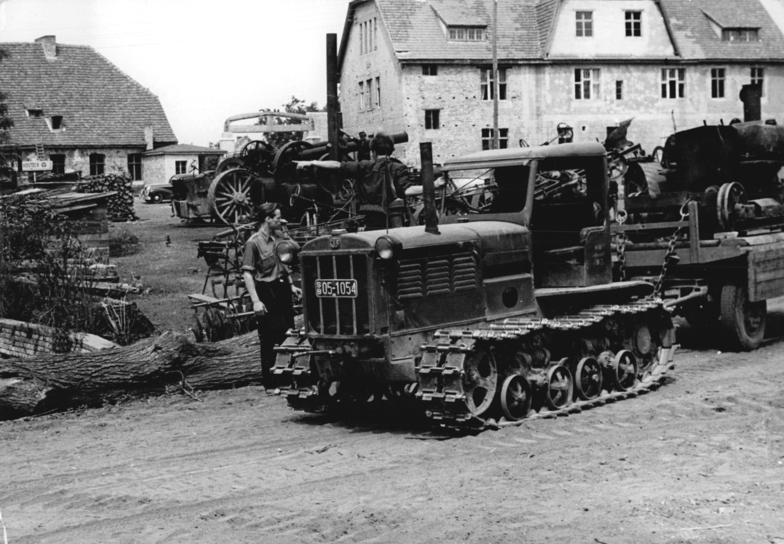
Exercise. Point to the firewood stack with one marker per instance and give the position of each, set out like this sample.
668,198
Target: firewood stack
120,205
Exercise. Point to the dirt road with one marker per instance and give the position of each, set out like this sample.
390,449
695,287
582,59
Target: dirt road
699,460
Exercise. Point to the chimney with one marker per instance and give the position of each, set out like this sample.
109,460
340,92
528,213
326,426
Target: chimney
148,138
49,43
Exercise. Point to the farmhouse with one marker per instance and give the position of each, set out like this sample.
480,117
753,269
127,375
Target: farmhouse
424,67
73,107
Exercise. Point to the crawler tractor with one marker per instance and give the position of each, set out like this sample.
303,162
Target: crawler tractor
488,316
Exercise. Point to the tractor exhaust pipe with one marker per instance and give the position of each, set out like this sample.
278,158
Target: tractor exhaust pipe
428,187
333,121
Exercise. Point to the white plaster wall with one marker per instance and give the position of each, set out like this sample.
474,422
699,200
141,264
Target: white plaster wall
609,37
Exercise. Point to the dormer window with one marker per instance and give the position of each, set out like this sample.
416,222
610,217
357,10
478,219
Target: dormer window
740,34
55,123
467,33
34,112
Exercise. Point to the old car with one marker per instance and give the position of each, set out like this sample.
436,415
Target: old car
157,192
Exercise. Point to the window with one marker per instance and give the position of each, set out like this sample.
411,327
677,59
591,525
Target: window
361,96
717,82
432,119
740,34
180,167
135,166
430,69
586,83
467,33
378,92
584,24
487,138
375,34
619,89
487,85
672,82
58,163
97,164
57,122
35,113
369,88
758,78
633,21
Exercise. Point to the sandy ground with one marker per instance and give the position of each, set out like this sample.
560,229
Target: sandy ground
701,460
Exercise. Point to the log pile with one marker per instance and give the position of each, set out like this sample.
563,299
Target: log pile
120,205
154,365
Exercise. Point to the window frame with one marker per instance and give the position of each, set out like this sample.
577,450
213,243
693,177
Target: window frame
378,91
734,34
487,138
362,95
466,33
180,167
486,83
757,75
718,83
134,161
97,164
619,89
430,70
673,77
432,119
632,19
587,79
583,21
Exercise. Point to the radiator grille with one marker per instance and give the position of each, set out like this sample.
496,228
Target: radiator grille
337,315
441,275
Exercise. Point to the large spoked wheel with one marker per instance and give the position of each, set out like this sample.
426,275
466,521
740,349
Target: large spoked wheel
730,194
742,320
229,195
558,392
480,382
515,397
588,378
624,370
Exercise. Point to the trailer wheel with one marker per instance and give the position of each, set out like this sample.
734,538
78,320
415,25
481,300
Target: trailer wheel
744,321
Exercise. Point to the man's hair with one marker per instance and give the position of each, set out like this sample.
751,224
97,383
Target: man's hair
362,133
265,210
382,144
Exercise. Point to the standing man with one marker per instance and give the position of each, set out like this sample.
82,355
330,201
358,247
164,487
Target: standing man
269,285
363,147
379,182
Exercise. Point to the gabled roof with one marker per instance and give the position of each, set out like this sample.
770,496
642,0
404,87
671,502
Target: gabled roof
690,21
184,149
99,104
416,29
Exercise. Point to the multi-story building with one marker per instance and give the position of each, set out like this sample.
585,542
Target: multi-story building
424,67
73,107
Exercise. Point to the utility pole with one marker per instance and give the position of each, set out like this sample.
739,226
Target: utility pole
496,85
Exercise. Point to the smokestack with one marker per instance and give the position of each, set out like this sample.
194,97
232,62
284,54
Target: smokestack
49,44
149,139
428,187
751,96
333,123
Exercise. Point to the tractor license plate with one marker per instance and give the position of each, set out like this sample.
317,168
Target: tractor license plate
336,288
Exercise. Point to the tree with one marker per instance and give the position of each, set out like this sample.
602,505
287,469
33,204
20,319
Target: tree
5,121
294,105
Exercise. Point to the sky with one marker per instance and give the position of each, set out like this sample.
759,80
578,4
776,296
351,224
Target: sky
205,59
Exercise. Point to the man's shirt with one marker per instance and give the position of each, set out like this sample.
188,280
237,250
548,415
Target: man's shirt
259,257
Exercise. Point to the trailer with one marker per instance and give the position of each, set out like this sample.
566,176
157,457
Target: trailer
717,283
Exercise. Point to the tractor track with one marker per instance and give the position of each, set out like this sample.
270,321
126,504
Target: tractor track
240,467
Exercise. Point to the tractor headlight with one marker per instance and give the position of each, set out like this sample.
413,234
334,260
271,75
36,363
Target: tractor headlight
286,251
386,247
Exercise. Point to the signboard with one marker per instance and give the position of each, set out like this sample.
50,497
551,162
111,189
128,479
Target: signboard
36,166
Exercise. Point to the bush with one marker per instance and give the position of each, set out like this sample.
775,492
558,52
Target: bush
123,242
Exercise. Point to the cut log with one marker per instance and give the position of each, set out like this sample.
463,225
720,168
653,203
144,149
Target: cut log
53,382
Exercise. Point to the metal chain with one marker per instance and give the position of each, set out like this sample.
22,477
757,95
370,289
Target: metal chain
621,245
671,255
